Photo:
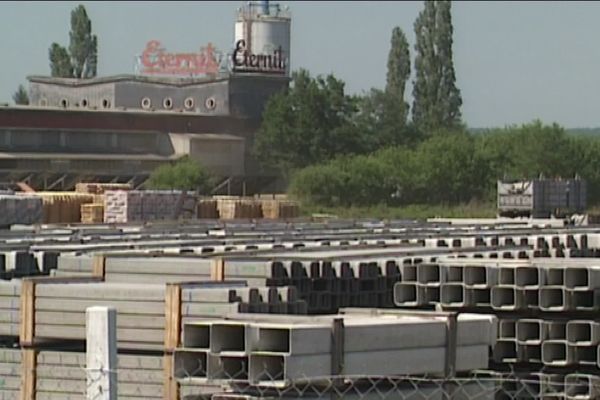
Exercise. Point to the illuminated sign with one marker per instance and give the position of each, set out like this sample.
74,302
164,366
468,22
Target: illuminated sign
245,61
155,60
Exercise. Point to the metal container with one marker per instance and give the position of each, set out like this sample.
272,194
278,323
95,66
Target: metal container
540,198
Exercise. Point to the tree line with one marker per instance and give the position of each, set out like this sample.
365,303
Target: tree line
341,150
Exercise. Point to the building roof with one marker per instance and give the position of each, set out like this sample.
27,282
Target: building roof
162,80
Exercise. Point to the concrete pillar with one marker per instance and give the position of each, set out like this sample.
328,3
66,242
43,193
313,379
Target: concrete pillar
101,353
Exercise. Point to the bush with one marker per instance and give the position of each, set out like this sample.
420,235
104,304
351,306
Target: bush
184,174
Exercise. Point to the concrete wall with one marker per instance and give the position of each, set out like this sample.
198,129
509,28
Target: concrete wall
97,96
210,98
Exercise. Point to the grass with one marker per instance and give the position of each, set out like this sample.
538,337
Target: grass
414,211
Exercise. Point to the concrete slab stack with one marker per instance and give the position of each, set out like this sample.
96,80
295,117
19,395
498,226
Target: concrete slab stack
10,374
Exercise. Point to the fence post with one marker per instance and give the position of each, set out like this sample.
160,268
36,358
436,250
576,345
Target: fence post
101,353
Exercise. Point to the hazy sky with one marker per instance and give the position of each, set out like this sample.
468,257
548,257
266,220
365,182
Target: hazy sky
515,61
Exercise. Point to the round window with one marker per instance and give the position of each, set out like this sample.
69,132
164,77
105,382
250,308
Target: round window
168,103
146,103
210,103
189,103
64,103
105,103
84,102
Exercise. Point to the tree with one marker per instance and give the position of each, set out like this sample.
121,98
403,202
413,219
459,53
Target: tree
60,63
81,60
398,69
83,46
437,100
310,122
184,174
20,96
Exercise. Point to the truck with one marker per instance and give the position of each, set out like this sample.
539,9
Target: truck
541,198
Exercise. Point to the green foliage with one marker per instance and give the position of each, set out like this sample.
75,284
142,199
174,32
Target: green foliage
308,123
451,168
20,96
184,174
83,46
437,100
81,60
60,63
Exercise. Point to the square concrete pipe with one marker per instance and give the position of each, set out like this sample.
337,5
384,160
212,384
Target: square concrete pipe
506,275
230,337
480,297
480,276
227,368
409,273
455,295
582,386
454,273
277,338
583,332
585,300
530,353
409,294
557,353
582,278
529,277
552,385
190,364
585,355
278,370
506,351
556,330
505,297
555,276
430,274
531,331
196,335
554,298
507,329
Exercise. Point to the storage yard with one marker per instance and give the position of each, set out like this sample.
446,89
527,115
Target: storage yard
242,309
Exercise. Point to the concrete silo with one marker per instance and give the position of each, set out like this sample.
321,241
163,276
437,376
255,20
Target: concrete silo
262,39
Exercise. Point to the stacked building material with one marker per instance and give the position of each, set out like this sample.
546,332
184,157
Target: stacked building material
238,208
10,303
279,209
62,375
207,209
100,188
10,374
22,209
63,207
280,352
92,213
58,309
148,205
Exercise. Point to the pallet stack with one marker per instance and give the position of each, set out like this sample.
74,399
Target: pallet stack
232,207
100,188
92,213
63,207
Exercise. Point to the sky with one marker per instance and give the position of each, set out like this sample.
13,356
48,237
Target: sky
515,61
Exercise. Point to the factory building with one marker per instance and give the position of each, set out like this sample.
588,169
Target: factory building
207,105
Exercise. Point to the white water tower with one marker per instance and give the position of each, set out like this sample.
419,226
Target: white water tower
265,30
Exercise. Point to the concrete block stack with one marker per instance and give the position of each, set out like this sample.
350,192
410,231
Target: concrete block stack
149,205
20,209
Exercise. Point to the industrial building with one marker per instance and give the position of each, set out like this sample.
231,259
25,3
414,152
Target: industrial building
119,128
